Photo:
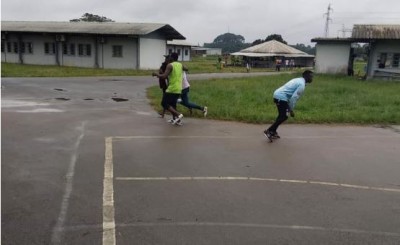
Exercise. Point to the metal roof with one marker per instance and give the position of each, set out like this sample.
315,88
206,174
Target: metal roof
102,28
376,32
180,43
272,48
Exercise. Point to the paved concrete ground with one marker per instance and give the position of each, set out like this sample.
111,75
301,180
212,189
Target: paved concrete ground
80,168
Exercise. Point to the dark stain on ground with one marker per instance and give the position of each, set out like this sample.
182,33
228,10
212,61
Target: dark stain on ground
119,99
59,89
88,99
64,99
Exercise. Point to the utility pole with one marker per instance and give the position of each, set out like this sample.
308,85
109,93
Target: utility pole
328,19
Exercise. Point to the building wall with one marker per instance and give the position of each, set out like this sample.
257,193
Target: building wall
151,51
129,59
183,51
332,58
390,48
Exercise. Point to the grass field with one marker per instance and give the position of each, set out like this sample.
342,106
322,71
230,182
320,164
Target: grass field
329,99
197,65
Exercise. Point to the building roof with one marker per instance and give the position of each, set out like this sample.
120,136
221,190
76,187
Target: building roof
272,48
180,43
376,32
102,28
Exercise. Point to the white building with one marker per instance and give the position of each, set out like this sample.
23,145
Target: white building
86,44
206,51
181,47
334,55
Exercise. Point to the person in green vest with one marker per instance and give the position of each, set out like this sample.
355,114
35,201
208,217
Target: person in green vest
174,73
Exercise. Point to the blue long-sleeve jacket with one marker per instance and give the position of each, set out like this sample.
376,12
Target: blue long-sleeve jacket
291,91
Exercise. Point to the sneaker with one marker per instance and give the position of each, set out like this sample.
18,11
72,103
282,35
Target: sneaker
275,135
170,121
268,134
179,100
205,110
177,119
179,123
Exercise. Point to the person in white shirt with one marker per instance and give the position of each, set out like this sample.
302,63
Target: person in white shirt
285,99
185,97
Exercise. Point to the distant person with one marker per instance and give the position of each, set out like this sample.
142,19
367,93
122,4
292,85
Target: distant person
185,97
174,73
247,67
285,99
278,65
163,83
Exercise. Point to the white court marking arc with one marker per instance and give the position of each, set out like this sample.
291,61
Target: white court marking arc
108,189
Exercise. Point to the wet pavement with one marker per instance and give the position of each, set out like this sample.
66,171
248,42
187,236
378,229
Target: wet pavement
87,161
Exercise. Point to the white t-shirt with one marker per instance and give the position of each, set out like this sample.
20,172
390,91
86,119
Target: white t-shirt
185,82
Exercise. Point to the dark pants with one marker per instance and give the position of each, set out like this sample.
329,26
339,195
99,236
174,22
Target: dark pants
185,100
283,107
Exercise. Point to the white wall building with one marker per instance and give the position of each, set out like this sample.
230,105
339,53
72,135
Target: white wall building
86,44
181,47
334,55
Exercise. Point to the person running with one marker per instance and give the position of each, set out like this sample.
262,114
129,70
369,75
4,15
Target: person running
163,83
174,73
185,97
285,99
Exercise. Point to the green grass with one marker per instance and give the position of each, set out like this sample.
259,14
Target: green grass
197,65
329,99
17,70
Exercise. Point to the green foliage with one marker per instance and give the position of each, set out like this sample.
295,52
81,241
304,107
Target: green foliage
276,37
329,99
228,42
307,49
92,18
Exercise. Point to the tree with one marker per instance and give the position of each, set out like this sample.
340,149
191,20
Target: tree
307,49
256,42
276,37
92,18
228,42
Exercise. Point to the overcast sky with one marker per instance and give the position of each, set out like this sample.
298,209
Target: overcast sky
202,21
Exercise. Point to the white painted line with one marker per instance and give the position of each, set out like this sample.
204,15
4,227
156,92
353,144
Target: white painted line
116,138
221,178
58,229
268,226
108,196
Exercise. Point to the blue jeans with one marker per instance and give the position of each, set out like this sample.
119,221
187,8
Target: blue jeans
185,100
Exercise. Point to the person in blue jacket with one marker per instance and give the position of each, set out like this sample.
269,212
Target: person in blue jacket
285,99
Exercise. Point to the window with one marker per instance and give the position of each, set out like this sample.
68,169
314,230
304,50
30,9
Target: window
15,47
117,51
72,49
22,48
179,52
49,48
84,50
29,46
65,48
186,52
3,48
396,58
9,47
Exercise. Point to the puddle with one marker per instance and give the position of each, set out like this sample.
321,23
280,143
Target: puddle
88,99
59,89
64,99
119,99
